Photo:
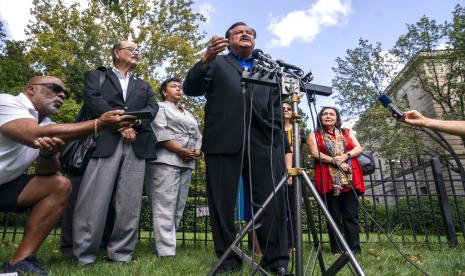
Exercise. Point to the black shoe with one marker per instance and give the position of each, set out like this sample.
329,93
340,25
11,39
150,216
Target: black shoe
279,270
28,265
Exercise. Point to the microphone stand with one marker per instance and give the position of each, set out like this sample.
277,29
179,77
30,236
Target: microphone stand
298,175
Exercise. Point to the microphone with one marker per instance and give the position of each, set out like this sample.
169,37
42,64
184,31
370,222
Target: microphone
282,63
258,54
387,103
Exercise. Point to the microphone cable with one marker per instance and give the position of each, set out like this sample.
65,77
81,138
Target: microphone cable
244,105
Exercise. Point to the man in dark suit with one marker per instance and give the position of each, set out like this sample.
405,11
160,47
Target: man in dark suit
229,144
115,174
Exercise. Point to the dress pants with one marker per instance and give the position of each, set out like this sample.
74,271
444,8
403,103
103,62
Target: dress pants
120,175
66,243
168,187
344,210
223,171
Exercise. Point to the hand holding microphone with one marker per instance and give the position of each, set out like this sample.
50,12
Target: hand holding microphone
387,103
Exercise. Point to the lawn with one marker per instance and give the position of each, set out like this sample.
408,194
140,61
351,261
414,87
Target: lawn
376,259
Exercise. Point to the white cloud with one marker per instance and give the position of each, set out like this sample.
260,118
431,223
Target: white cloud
306,24
207,10
15,16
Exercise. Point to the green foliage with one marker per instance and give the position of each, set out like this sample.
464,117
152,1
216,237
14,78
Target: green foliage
366,70
67,112
198,259
440,74
361,76
421,215
66,41
14,67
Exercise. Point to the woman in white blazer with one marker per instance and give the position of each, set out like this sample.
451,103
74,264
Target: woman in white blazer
167,178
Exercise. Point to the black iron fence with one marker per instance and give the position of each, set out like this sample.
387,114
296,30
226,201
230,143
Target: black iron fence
413,200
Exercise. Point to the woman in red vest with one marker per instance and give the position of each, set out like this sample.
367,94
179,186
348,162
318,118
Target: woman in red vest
338,175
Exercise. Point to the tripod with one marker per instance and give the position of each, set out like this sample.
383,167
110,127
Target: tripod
292,87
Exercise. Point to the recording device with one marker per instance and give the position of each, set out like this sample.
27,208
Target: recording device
258,54
282,63
141,115
387,103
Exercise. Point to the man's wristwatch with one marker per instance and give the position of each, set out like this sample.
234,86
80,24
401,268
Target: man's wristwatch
348,155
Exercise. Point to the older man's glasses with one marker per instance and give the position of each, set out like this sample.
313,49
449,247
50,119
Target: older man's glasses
131,49
55,88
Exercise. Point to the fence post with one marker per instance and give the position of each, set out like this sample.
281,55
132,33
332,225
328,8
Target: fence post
443,202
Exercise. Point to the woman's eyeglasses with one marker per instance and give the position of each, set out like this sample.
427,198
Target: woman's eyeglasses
287,109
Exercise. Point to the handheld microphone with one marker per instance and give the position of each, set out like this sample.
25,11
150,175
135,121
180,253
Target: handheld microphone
282,63
387,103
258,54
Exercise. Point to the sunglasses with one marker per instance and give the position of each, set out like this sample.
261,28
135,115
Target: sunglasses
55,88
287,109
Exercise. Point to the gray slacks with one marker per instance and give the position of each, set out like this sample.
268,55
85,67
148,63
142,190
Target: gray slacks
116,180
168,187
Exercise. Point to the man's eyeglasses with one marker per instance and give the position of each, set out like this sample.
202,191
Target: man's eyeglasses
55,88
131,49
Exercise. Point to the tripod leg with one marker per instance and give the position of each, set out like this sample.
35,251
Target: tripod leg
337,233
239,237
311,224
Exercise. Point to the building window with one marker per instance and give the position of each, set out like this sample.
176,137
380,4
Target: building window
423,190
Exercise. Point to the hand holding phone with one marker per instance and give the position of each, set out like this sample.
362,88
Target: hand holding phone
141,115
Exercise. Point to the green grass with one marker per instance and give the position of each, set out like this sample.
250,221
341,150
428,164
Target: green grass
376,259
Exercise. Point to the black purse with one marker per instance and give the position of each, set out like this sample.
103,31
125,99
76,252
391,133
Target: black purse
76,154
366,162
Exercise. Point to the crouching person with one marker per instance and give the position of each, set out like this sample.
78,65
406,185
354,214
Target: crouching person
26,135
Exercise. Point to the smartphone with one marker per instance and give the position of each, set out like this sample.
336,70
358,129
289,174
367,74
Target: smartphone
142,115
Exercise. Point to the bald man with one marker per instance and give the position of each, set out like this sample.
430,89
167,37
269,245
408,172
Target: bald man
27,134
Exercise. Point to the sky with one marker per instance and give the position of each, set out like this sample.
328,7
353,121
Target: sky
308,33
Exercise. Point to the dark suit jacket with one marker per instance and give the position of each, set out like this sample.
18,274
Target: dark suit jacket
140,97
224,110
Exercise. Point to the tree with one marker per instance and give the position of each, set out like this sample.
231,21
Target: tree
2,37
366,70
441,73
425,38
14,64
361,76
66,41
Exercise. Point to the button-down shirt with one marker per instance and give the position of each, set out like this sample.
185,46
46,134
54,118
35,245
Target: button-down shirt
123,80
247,63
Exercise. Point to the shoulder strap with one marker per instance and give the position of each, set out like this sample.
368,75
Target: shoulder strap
83,114
101,70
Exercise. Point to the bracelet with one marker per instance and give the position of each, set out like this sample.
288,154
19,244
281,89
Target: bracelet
95,127
46,156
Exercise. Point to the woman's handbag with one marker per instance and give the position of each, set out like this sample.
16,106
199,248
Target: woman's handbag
76,155
367,162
